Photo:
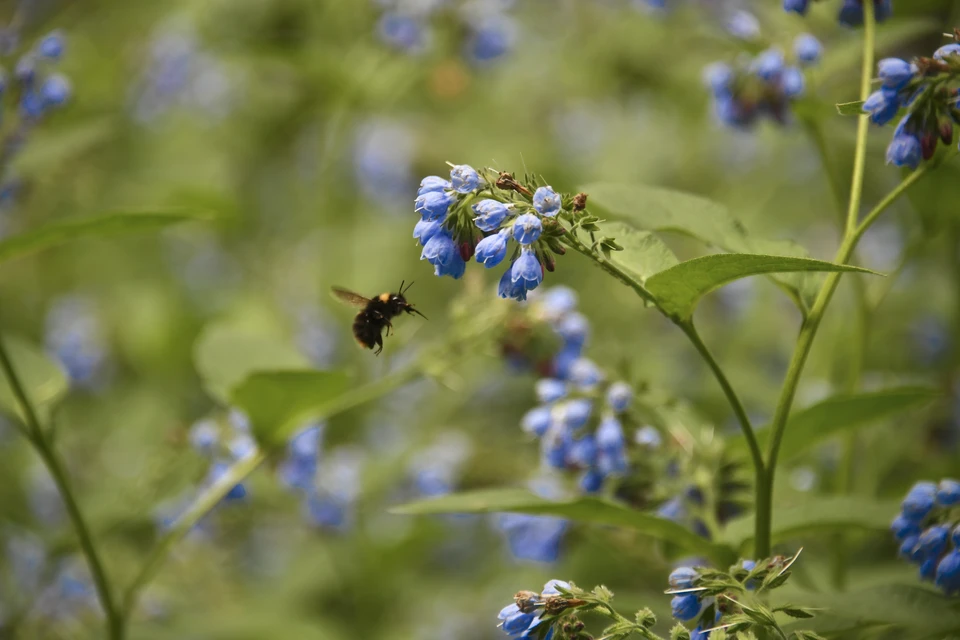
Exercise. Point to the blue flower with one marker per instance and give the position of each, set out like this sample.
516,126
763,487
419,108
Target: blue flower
903,527
648,437
952,49
492,250
433,183
492,38
948,573
683,577
51,46
426,229
513,620
796,6
434,205
508,288
807,49
527,271
585,373
402,31
685,606
535,538
490,213
905,151
591,481
882,107
574,329
204,436
933,542
908,547
769,65
895,73
442,252
26,70
792,82
217,470
948,493
546,201
323,510
672,509
536,421
558,301
550,389
619,396
550,588
610,435
851,13
527,229
464,178
743,25
719,77
928,568
577,412
55,90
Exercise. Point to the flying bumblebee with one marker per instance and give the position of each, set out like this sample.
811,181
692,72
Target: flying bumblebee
376,314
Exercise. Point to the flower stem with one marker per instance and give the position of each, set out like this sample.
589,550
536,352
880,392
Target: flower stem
37,437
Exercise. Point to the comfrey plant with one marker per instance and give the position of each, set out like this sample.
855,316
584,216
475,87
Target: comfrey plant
851,11
763,86
725,604
926,91
928,529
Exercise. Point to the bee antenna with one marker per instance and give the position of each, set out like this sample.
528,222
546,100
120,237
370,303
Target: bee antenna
407,289
401,287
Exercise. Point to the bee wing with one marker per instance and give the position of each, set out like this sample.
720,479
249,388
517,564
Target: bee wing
349,297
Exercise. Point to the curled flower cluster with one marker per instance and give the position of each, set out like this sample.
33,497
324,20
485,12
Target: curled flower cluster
765,85
928,89
490,31
524,617
929,534
471,215
851,12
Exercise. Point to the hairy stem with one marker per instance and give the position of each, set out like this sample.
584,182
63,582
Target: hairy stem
37,437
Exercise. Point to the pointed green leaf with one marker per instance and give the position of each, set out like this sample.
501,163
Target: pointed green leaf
62,231
813,425
817,516
657,209
278,402
589,510
224,356
43,380
921,610
854,108
678,289
643,253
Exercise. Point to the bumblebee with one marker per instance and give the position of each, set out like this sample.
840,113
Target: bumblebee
376,314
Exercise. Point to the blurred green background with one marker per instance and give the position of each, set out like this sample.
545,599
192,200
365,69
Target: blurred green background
306,135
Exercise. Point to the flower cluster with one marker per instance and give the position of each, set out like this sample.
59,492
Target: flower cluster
929,534
490,31
928,90
546,335
525,617
470,214
762,86
851,12
729,599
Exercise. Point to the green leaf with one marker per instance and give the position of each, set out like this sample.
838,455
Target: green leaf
854,108
225,356
62,231
813,425
912,607
643,253
589,510
277,402
817,516
43,381
795,612
678,289
49,148
657,209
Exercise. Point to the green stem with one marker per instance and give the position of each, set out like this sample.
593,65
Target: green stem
239,471
688,329
811,324
51,460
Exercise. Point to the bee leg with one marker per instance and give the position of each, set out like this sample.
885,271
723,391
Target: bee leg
379,342
389,327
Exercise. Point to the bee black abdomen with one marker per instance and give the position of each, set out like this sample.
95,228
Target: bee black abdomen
366,330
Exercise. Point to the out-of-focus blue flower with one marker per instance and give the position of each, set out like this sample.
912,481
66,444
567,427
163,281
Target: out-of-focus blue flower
807,49
536,421
905,151
205,436
546,201
299,469
948,493
383,153
744,25
51,45
769,64
491,38
796,6
792,82
947,50
550,389
436,469
685,606
403,32
535,538
55,90
648,437
74,338
619,396
948,573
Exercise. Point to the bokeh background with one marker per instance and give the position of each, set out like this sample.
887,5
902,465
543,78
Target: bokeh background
304,127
